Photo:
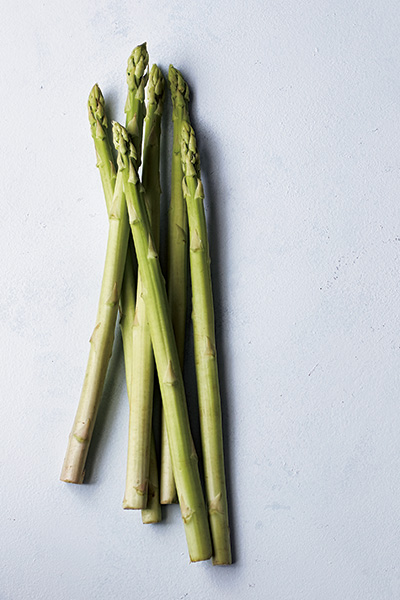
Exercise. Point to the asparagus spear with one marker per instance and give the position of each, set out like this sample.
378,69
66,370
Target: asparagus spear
105,163
205,352
102,338
184,457
141,405
151,181
141,385
177,257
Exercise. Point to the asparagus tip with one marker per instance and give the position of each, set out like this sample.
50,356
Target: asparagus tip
178,86
156,89
136,74
96,109
189,155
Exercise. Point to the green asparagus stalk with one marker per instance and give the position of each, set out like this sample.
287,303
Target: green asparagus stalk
205,351
151,181
105,163
141,406
184,457
102,337
177,269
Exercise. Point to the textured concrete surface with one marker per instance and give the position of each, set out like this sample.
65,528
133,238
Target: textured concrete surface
296,106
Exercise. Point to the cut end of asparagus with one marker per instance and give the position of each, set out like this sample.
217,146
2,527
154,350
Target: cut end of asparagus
97,116
195,559
73,472
189,155
136,499
70,475
156,89
223,563
178,86
136,74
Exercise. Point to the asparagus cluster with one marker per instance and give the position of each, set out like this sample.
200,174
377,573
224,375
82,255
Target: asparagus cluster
153,314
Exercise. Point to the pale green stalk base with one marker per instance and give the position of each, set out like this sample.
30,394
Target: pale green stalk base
152,514
153,497
205,356
167,482
140,413
184,457
101,341
177,252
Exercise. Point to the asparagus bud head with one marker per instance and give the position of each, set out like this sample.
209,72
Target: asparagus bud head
123,144
189,155
156,89
179,88
97,116
136,74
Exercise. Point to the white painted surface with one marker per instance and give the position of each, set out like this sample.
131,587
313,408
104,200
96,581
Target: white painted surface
296,106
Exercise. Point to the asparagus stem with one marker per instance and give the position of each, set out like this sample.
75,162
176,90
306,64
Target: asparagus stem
177,257
106,165
140,411
205,352
127,305
102,339
184,457
142,385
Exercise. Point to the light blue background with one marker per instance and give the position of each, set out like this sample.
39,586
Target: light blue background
296,106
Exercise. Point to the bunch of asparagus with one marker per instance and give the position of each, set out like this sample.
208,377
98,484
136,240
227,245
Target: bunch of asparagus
153,315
